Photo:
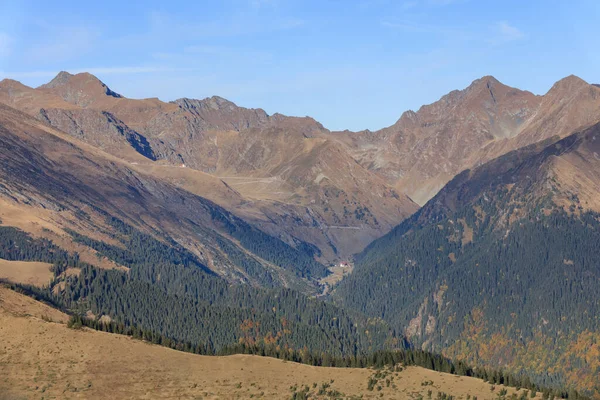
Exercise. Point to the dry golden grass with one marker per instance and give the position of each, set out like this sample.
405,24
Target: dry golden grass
19,305
26,272
578,174
194,181
467,232
46,359
29,219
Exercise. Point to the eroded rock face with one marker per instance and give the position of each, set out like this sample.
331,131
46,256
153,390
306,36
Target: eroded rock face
298,183
116,138
425,149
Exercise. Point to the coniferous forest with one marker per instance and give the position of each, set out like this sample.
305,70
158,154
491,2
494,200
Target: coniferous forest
168,297
475,279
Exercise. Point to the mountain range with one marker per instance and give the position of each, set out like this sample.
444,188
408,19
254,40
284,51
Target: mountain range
471,224
424,150
281,173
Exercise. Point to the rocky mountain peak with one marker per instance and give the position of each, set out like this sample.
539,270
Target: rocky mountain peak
479,90
488,86
214,103
484,82
410,114
6,82
570,84
83,89
11,86
219,103
62,78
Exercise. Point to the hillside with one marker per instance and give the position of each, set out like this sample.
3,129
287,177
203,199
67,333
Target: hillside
279,173
68,363
46,175
492,268
141,248
424,150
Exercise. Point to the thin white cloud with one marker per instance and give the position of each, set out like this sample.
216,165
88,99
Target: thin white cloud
500,33
240,24
63,44
510,32
264,3
128,70
505,32
5,44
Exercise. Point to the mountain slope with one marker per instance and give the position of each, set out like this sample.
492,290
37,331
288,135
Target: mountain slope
75,186
68,363
138,250
492,268
295,182
424,150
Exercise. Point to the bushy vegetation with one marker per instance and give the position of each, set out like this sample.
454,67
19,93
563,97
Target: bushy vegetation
16,245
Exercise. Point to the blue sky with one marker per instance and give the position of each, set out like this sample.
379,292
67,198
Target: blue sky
349,64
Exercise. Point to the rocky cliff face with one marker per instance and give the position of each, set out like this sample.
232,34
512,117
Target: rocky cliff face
117,138
425,149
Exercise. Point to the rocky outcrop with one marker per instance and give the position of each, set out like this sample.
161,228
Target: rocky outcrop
100,129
